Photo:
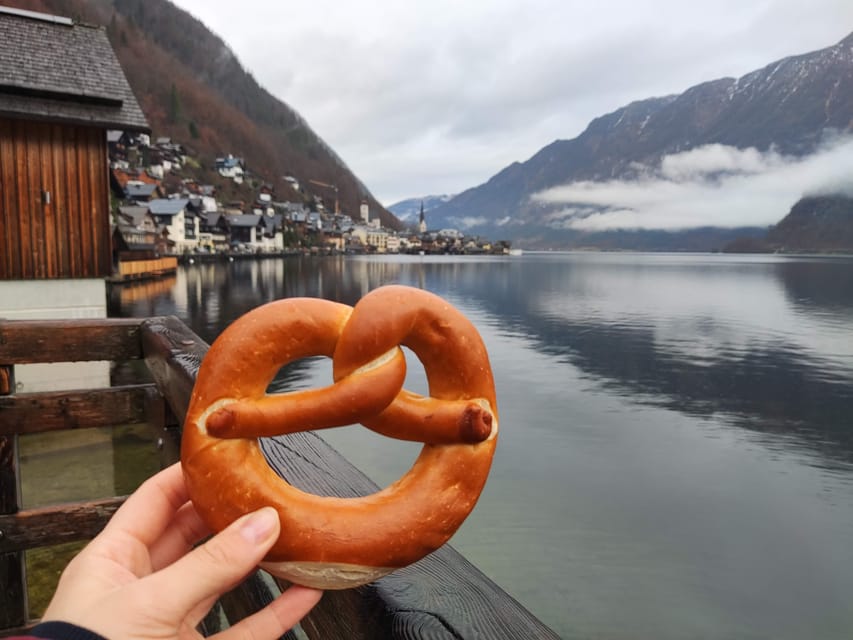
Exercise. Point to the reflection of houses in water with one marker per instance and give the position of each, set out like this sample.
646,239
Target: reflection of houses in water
134,292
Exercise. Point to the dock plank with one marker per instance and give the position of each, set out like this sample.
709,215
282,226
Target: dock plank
86,408
55,524
39,341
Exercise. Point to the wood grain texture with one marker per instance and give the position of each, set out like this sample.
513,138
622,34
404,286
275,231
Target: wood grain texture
68,234
13,574
7,379
51,411
173,354
56,524
9,225
30,341
441,596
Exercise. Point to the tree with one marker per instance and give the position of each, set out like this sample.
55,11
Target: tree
174,105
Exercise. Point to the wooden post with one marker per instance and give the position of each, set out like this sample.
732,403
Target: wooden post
14,610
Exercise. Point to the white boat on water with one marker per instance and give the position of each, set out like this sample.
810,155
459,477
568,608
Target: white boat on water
515,252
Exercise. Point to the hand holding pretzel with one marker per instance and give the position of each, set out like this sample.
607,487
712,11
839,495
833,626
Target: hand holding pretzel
329,542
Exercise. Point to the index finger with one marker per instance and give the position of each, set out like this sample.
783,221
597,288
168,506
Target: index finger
150,509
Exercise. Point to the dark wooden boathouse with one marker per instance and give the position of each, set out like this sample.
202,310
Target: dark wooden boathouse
61,89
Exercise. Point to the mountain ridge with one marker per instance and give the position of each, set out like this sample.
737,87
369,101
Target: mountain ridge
791,105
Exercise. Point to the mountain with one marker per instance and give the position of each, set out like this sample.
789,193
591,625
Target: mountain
791,106
409,211
193,89
823,222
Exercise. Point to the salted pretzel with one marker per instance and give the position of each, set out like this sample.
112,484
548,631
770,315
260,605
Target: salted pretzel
329,542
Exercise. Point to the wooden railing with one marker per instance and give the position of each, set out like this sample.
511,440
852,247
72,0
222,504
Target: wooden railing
442,596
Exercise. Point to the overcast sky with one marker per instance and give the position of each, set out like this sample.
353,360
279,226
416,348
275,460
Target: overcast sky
425,98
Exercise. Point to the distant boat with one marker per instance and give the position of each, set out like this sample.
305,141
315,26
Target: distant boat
515,252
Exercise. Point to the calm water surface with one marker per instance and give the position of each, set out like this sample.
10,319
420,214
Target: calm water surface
676,453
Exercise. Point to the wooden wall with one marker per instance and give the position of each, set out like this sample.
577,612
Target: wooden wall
65,235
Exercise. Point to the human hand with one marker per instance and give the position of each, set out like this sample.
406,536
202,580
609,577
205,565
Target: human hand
141,578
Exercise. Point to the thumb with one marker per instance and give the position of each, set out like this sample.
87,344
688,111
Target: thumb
220,563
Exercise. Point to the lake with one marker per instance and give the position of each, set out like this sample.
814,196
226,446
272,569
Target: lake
676,449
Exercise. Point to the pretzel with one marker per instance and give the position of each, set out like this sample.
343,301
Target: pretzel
331,542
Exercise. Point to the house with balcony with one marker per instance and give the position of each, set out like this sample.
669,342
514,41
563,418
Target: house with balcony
180,221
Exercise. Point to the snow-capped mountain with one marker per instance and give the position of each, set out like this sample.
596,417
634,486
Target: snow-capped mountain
789,109
409,210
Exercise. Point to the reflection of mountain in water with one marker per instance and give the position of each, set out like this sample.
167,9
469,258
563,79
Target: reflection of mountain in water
777,390
764,383
819,284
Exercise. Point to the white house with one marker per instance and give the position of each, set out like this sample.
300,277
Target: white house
230,167
179,219
376,238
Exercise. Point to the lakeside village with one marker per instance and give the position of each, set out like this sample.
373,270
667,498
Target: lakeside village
157,214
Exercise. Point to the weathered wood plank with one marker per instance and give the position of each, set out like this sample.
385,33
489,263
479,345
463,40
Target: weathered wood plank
29,341
442,596
24,268
252,595
36,206
173,354
9,229
51,411
13,573
100,174
70,200
49,203
7,379
56,524
58,200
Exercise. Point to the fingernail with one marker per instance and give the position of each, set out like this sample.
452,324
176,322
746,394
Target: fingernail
258,526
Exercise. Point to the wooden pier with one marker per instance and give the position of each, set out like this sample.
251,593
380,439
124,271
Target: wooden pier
442,596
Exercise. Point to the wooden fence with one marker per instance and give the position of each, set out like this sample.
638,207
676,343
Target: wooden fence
442,596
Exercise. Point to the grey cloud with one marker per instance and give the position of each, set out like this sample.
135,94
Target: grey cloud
713,185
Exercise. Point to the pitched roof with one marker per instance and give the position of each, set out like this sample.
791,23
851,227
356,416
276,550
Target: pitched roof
244,220
167,206
124,176
144,190
134,215
53,69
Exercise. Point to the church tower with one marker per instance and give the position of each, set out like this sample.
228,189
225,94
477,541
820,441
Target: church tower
422,221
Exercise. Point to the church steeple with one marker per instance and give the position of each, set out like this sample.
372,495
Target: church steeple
422,221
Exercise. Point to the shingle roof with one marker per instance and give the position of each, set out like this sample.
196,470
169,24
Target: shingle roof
244,220
53,69
135,214
167,206
144,190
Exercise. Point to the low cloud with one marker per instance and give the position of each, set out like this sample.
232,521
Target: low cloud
467,222
713,185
